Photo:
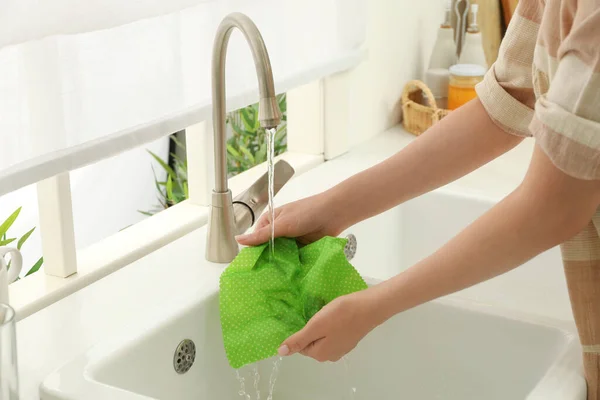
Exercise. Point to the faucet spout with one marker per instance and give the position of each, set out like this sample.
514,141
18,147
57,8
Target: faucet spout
221,246
269,113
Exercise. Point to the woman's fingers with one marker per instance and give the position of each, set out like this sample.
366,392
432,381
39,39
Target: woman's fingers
265,220
300,341
255,238
262,232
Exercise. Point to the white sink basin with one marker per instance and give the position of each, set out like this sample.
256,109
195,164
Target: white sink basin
477,344
449,349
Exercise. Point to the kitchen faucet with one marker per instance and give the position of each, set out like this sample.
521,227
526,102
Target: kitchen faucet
230,217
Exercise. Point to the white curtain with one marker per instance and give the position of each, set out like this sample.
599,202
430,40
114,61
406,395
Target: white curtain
26,20
84,80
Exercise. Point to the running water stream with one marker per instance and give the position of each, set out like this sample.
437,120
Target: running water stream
253,371
273,378
271,176
242,381
270,138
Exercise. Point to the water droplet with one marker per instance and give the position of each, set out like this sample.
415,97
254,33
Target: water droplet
256,381
349,378
242,381
273,378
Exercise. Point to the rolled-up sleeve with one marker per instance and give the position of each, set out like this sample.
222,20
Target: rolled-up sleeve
507,92
566,124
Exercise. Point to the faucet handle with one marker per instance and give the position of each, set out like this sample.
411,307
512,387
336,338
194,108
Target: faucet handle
249,205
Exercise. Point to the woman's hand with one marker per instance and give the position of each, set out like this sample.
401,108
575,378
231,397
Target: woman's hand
336,329
308,220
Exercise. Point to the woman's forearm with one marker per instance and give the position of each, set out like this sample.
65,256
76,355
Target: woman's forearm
460,143
547,209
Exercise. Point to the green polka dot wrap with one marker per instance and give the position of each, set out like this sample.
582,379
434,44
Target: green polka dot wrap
264,299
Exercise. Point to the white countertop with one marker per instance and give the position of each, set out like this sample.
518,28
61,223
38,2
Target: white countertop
55,335
71,100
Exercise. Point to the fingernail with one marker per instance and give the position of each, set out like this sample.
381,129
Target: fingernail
241,237
283,350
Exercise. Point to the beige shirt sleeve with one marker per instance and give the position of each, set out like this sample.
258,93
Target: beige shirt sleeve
566,124
507,91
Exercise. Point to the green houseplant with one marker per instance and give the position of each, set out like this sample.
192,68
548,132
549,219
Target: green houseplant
8,239
246,148
175,188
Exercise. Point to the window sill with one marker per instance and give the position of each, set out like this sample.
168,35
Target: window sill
38,291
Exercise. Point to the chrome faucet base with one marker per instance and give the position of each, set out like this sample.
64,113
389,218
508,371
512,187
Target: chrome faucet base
221,246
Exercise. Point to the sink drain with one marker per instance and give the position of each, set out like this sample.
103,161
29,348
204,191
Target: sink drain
184,357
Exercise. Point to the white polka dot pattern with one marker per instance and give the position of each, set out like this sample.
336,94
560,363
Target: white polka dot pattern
264,299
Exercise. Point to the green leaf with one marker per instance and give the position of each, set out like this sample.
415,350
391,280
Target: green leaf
146,213
253,108
248,118
177,142
7,241
24,238
231,119
179,165
261,154
257,126
281,134
35,267
163,164
280,149
158,185
242,162
170,188
237,129
248,155
282,100
232,151
186,191
9,221
181,172
177,160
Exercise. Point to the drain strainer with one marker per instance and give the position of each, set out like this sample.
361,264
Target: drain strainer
184,357
350,249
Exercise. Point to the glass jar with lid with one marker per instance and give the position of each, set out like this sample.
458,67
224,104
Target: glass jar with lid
461,87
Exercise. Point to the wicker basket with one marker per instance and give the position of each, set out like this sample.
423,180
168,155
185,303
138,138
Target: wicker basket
417,116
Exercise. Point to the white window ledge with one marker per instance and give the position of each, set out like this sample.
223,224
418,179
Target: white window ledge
38,291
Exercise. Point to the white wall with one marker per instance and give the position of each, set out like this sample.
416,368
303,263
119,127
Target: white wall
400,38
